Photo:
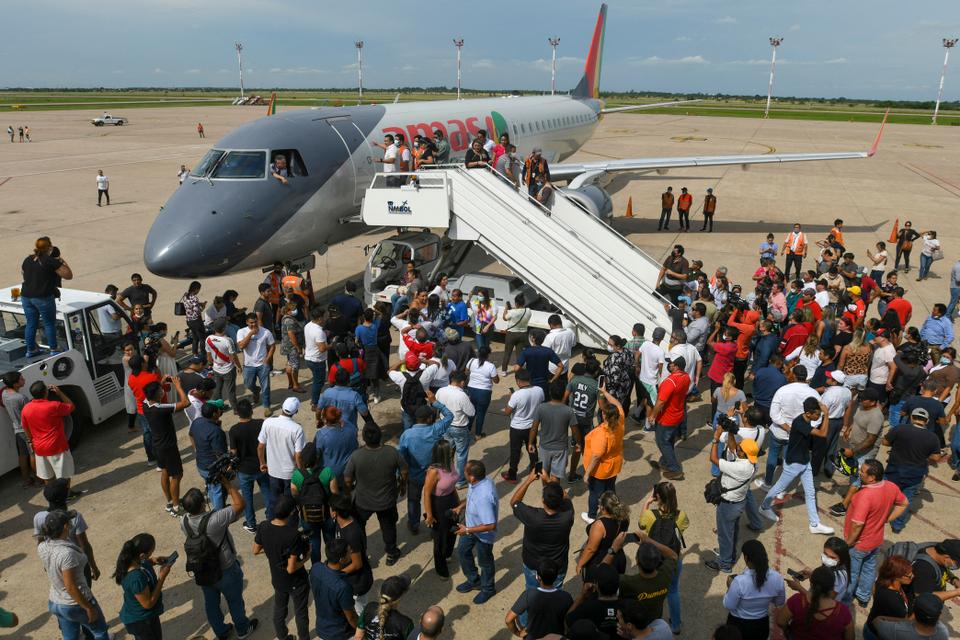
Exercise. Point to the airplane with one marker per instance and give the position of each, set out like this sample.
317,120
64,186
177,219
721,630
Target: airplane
231,215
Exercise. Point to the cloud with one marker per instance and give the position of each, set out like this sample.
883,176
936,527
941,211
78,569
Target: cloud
753,61
407,68
683,39
224,71
483,63
726,20
297,71
193,71
793,28
545,64
159,70
657,60
836,61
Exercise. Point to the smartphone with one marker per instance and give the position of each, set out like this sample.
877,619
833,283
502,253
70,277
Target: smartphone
538,468
631,538
511,389
601,380
796,575
737,405
171,559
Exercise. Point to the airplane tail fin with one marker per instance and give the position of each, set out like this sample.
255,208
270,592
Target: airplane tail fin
272,106
589,85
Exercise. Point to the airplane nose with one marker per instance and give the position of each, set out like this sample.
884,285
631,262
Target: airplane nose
170,253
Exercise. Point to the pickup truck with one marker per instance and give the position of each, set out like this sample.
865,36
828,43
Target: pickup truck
109,119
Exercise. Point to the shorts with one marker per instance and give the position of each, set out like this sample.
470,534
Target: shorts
293,360
59,465
168,459
554,462
23,449
585,423
651,391
856,381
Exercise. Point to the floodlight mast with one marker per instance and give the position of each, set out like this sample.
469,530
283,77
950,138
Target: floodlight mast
948,43
774,43
359,45
554,42
458,43
239,47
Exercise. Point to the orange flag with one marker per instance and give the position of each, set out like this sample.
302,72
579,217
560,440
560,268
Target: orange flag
893,233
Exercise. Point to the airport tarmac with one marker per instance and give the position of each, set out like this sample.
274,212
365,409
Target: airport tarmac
47,187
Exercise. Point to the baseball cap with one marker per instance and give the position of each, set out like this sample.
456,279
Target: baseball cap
291,406
412,360
196,360
855,290
749,447
680,362
923,414
927,608
839,376
951,547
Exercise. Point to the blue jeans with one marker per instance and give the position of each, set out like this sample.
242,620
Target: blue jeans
595,488
673,599
147,437
481,402
406,420
790,473
318,372
954,299
665,437
775,451
230,587
39,310
531,582
320,534
863,573
71,617
728,528
414,495
459,438
925,263
214,490
470,544
910,492
397,301
258,376
280,487
247,480
955,448
893,413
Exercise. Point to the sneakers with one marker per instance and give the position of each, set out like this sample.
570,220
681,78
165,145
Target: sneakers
673,475
251,627
505,476
655,464
716,566
586,518
769,514
781,495
175,512
250,528
760,484
228,633
838,510
483,596
822,529
573,477
392,560
467,587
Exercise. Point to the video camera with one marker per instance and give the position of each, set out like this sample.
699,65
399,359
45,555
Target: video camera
738,303
223,468
728,424
151,343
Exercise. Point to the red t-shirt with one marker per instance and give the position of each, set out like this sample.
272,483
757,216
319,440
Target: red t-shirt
673,393
871,506
794,337
346,363
831,625
814,309
903,308
722,361
867,285
43,420
137,383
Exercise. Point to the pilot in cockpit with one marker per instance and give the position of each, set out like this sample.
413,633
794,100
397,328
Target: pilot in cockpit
279,168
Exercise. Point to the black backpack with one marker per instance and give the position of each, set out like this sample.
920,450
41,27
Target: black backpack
911,551
413,396
665,531
203,554
313,499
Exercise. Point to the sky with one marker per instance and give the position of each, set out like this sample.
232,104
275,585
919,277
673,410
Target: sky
882,49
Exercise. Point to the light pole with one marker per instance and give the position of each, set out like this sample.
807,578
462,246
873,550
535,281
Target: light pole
774,42
458,43
239,48
359,45
553,77
948,43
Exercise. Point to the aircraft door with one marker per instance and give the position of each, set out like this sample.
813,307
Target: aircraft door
361,159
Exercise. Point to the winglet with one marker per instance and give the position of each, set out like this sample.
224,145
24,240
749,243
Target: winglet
876,143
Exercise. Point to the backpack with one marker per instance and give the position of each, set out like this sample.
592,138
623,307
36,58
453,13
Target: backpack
357,383
665,531
413,396
312,498
203,555
911,551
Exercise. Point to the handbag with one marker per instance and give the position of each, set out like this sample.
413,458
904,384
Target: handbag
179,309
713,491
936,254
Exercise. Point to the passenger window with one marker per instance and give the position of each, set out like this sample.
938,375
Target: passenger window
294,161
523,127
242,165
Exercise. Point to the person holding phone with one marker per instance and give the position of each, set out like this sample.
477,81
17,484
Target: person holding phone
603,452
142,586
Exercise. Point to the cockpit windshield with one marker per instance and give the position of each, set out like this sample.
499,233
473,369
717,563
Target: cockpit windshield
208,162
241,164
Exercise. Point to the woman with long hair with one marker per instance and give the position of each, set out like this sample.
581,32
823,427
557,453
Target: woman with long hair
842,335
836,557
613,517
816,614
439,497
808,354
292,345
483,375
381,620
193,310
662,503
484,317
751,593
603,452
726,396
142,586
617,368
893,593
879,260
905,238
854,361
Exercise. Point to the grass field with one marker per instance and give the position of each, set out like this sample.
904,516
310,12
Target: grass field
848,111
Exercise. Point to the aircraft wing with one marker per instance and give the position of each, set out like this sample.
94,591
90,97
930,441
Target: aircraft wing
584,172
654,105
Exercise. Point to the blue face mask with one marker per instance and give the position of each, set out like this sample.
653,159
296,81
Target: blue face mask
945,360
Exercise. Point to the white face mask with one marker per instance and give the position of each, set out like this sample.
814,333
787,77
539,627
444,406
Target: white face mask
610,348
827,561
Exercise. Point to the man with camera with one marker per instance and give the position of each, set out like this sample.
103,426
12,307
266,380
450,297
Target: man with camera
737,468
209,444
212,554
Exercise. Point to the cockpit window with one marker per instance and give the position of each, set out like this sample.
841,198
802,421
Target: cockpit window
208,162
295,164
242,164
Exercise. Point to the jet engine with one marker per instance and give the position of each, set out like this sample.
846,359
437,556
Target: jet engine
592,199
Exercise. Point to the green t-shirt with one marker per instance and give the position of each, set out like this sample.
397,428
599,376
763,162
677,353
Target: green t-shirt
138,581
583,397
649,592
325,477
6,618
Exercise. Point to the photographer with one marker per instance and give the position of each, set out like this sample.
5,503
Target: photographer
209,443
42,271
286,552
159,416
211,554
735,476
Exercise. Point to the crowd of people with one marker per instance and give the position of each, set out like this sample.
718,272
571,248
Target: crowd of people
817,374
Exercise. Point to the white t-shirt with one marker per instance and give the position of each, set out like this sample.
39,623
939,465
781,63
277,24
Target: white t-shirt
441,376
929,245
284,439
107,322
313,334
192,410
211,313
103,183
690,356
809,362
562,341
225,346
400,324
650,356
879,371
836,398
456,400
822,298
488,146
525,403
481,375
255,353
518,319
399,378
390,156
182,174
733,474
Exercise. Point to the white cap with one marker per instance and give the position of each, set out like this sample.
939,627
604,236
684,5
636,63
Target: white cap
291,406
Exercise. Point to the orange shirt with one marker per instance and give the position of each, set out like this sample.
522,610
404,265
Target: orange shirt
838,236
709,203
684,202
601,443
666,199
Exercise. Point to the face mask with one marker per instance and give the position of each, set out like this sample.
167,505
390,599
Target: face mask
945,360
416,145
827,561
610,348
